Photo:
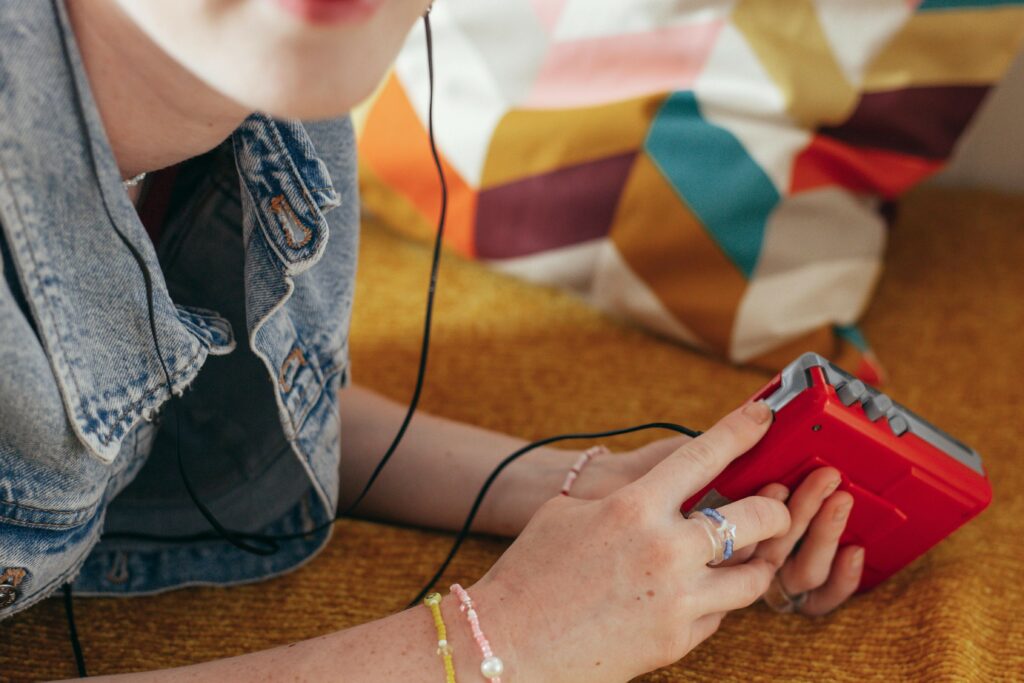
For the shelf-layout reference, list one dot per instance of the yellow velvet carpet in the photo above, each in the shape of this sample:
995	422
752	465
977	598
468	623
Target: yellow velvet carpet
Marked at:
947	322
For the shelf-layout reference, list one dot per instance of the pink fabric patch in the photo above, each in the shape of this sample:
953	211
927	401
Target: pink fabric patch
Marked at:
594	71
549	12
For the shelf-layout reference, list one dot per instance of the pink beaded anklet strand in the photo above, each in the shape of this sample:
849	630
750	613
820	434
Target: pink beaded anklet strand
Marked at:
585	457
491	667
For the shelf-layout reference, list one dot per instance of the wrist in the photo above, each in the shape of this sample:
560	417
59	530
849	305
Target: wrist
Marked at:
522	488
494	614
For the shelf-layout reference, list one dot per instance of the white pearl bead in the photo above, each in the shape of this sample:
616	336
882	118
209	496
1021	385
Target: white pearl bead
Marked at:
492	667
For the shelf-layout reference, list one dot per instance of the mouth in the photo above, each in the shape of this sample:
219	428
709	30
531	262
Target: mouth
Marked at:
331	11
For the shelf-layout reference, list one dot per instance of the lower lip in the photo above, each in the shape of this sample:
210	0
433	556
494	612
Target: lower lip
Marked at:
331	11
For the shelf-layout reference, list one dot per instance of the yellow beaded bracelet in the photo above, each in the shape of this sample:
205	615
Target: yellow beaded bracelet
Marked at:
433	603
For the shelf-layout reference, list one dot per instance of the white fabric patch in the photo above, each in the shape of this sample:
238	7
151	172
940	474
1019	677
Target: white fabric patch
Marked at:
471	102
618	290
583	19
856	31
819	263
569	267
736	93
509	39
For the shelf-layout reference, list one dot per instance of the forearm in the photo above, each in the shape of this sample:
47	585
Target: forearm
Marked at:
439	468
402	647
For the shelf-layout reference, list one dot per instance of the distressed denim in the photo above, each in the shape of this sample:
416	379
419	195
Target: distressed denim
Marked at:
252	288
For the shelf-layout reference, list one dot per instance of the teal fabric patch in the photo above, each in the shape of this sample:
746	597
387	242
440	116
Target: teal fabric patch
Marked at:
929	5
852	334
712	172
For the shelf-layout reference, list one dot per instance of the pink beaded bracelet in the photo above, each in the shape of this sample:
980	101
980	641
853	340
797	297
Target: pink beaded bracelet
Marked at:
492	667
585	457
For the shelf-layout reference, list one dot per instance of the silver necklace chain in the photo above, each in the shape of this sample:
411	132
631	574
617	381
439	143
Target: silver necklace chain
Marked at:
132	182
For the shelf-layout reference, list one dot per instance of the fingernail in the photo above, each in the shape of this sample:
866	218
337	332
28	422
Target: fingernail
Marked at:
781	494
832	487
758	411
842	512
858	558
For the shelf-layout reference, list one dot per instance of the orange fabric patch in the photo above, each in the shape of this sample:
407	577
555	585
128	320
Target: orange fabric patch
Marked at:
536	142
962	47
392	208
822	341
668	248
796	53
395	147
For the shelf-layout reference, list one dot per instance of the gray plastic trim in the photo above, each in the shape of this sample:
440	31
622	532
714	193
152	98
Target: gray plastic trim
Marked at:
795	380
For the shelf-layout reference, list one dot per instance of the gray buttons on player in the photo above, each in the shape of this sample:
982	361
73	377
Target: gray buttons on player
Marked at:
851	392
877	406
898	424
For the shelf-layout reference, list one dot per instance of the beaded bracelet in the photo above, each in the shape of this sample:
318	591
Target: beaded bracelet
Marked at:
433	603
585	457
492	667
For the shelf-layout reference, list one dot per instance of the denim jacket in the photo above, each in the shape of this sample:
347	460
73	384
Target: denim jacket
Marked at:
259	247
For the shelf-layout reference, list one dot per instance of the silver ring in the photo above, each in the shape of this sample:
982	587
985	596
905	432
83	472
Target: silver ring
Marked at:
721	533
779	599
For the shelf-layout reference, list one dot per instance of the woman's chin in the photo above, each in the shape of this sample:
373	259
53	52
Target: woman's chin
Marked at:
324	100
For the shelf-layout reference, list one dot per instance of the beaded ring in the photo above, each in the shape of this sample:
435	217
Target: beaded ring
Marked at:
720	531
491	667
724	529
433	603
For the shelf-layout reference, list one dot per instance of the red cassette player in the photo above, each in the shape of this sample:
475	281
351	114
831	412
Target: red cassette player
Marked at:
912	483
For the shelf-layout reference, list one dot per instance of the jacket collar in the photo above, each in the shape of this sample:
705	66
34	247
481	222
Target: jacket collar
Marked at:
60	190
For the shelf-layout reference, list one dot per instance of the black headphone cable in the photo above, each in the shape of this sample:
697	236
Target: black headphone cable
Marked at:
267	544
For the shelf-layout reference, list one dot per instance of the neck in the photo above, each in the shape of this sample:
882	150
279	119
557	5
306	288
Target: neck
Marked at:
156	113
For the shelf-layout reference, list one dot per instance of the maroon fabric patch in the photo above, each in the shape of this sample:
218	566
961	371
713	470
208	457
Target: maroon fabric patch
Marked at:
568	206
924	122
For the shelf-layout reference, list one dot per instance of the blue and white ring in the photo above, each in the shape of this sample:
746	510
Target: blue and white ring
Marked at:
720	531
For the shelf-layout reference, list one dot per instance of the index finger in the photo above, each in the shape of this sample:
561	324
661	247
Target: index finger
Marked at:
700	460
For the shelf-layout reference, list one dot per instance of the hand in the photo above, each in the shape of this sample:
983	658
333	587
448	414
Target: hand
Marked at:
607	589
607	474
829	575
536	477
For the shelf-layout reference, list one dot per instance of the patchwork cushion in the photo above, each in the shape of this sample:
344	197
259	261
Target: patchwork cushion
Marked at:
715	171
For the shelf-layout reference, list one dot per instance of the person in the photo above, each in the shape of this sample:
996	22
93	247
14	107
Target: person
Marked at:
247	224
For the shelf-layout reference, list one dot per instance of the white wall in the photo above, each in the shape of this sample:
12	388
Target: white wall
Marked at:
991	153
